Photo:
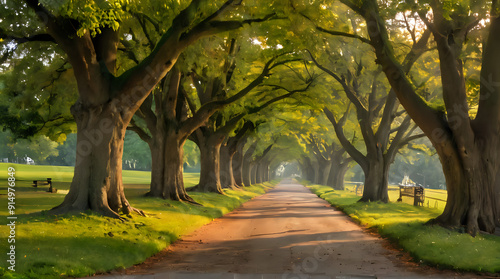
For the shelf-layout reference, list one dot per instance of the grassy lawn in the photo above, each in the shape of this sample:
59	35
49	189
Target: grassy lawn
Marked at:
81	245
404	225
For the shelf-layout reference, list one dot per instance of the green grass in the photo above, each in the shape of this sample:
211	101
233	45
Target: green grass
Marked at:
404	224
84	244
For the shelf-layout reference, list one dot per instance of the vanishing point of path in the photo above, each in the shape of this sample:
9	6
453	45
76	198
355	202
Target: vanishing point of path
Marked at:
287	233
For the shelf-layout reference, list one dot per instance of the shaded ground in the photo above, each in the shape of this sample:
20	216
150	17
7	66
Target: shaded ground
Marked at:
287	233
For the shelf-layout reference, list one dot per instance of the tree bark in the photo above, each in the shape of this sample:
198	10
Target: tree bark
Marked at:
326	172
173	178
259	173
231	160
226	168
310	174
337	174
376	180
248	164
97	182
157	148
253	173
238	168
210	166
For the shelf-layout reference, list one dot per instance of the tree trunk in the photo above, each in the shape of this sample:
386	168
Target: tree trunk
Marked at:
247	174
259	176
210	167
226	168
157	148
248	165
309	170
337	174
238	168
97	183
474	209
376	180
318	172
173	185
253	173
265	171
326	168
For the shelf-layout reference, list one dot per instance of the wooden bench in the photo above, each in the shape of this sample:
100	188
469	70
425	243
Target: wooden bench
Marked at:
49	182
417	192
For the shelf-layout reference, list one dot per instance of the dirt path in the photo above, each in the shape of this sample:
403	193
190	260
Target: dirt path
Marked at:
286	233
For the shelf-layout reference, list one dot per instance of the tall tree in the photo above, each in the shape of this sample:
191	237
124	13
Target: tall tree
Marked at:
89	34
467	145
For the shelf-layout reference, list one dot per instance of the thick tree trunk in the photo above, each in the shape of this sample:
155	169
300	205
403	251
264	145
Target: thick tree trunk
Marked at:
97	182
157	148
173	178
167	179
326	168
238	168
309	170
247	174
266	171
226	168
248	165
253	173
337	174
259	176
210	167
376	180
474	209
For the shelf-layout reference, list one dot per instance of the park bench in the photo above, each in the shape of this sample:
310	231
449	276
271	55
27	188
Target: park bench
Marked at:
49	182
417	192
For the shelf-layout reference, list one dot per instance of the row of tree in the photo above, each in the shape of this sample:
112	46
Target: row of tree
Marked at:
209	71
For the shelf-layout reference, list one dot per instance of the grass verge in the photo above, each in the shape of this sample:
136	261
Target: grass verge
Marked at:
50	246
404	225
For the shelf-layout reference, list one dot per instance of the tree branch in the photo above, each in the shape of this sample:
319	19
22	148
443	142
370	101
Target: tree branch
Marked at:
348	146
344	34
275	99
32	38
139	131
427	118
347	89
